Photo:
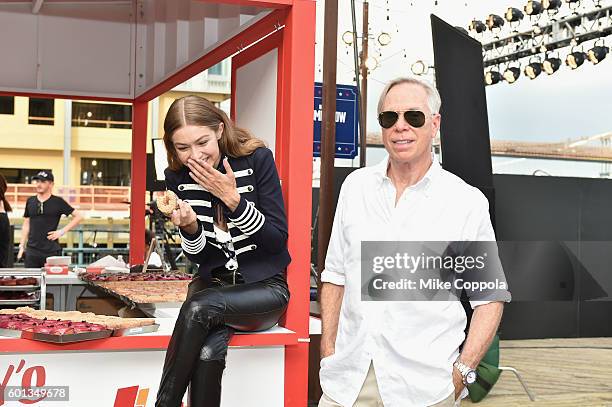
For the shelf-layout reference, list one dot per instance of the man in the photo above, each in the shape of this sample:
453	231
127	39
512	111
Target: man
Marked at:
401	353
39	235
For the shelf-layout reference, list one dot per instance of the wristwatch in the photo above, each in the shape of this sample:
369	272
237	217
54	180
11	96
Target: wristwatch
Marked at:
468	374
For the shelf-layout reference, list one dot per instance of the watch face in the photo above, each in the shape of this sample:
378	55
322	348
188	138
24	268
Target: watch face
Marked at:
470	378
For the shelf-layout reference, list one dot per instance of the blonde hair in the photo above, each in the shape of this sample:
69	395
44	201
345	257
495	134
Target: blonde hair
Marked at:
196	111
433	96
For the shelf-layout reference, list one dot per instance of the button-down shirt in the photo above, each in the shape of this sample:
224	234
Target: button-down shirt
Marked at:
412	344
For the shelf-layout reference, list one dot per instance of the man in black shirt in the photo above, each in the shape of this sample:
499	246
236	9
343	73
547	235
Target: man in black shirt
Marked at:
42	216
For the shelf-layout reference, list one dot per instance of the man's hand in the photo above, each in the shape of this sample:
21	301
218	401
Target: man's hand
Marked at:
185	217
55	234
20	253
223	186
457	382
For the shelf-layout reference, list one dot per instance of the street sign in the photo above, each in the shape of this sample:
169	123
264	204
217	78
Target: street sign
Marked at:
347	119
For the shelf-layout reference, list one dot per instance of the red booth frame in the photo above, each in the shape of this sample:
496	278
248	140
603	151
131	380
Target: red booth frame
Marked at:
290	29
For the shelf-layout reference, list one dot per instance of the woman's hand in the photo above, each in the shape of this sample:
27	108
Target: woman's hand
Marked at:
185	217
223	186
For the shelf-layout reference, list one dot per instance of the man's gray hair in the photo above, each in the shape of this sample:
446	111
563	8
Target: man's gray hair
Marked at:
433	96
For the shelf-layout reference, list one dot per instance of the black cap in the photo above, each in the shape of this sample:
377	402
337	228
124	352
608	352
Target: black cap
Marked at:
44	176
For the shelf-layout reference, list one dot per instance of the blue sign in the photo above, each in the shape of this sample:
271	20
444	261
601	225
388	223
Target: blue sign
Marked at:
347	119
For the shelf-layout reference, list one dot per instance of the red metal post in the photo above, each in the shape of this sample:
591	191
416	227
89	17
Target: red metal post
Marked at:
296	107
139	182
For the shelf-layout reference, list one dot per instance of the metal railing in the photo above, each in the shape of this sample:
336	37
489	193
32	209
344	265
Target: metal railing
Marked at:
84	197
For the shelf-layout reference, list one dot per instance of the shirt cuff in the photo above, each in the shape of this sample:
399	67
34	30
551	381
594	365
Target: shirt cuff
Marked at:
328	276
475	304
247	217
193	243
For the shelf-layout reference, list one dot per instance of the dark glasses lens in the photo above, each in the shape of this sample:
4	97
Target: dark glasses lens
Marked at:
39	208
414	118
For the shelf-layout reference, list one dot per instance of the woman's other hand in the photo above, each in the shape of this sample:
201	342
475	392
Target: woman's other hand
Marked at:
223	186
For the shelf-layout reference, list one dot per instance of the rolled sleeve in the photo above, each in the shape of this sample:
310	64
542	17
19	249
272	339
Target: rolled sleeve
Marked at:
334	277
334	271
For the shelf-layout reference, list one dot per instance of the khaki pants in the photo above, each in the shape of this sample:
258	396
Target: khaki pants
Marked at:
370	397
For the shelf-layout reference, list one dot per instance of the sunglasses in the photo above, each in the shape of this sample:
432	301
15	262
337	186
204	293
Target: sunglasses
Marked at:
415	118
39	208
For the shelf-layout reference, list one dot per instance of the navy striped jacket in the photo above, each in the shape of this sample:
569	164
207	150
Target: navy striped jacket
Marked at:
258	226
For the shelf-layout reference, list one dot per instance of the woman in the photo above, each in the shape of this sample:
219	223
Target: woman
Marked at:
5	226
232	223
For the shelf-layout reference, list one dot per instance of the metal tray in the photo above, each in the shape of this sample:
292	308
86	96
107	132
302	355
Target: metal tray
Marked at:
136	331
20	302
69	338
19	287
128	301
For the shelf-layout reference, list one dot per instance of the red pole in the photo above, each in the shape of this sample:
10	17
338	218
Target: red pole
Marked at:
296	108
139	182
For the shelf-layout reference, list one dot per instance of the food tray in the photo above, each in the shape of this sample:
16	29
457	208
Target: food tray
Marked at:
69	338
147	329
128	301
24	301
19	287
106	291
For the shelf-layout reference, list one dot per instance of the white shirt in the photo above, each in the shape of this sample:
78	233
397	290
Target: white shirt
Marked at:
412	344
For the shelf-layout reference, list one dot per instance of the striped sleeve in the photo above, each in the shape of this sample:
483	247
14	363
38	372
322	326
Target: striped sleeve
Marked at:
247	217
193	244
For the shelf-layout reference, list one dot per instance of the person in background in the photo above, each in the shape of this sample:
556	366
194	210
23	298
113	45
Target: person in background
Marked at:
39	236
5	226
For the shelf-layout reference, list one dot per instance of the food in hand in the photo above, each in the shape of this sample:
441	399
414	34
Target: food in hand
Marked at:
167	203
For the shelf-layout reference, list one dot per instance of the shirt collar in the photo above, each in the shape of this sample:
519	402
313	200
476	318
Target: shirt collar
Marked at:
380	171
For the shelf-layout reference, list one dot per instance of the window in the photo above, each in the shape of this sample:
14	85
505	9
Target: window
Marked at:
20	175
106	115
41	111
7	105
103	171
216	69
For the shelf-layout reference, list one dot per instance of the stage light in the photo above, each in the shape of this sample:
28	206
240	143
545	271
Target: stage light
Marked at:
492	77
495	21
533	8
512	74
575	59
347	37
533	70
551	65
598	53
384	39
514	15
371	63
418	68
551	5
477	26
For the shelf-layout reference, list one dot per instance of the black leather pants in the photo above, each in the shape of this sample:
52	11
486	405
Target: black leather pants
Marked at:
205	324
